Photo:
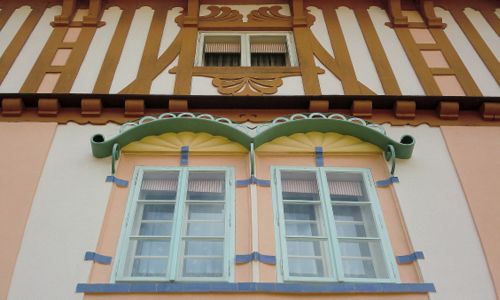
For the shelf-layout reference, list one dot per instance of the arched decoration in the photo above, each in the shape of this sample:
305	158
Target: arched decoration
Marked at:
317	128
331	142
171	142
102	148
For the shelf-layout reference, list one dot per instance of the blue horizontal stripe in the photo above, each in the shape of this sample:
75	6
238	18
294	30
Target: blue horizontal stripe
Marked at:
253	180
246	258
98	258
252	287
406	259
388	181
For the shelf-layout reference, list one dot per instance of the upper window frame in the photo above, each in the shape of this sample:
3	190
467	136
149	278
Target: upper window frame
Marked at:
327	214
245	36
173	266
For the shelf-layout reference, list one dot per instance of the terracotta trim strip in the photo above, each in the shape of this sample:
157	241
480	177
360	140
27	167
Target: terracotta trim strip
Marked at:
110	63
384	70
477	42
9	56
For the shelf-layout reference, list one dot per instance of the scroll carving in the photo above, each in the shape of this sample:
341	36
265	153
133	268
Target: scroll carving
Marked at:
268	14
247	85
222	14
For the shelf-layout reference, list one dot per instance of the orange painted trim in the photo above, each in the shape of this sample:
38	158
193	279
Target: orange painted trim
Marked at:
22	165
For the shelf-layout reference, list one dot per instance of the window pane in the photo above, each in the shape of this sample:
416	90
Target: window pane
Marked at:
159	185
354	221
268	59
345	186
156	229
299	185
363	259
203	267
152	247
301	212
302	229
204	248
158	212
205	229
205	211
306	267
149	267
306	248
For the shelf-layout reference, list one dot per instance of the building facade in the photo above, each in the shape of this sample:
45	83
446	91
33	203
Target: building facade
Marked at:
261	149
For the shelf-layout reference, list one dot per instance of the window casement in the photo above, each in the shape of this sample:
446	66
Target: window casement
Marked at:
178	226
330	227
246	49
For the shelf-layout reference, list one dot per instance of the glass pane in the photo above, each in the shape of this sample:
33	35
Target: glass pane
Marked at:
345	186
206	185
363	259
203	267
306	267
354	221
151	247
301	229
158	212
205	212
299	185
156	229
301	212
204	248
159	185
149	267
205	229
306	248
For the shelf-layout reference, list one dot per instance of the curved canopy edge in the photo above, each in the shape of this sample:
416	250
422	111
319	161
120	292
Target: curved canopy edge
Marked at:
102	148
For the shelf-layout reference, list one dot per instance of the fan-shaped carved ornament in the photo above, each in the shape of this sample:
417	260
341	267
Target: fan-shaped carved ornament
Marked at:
247	85
307	142
267	14
222	14
171	142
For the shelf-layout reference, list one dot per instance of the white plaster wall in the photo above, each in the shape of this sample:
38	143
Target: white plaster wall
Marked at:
475	65
12	26
329	83
65	218
170	30
203	86
92	63
484	29
358	51
439	220
17	74
320	30
130	60
400	64
164	83
291	86
245	9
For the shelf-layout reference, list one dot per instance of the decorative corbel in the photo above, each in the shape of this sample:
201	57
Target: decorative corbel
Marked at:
68	10
299	18
395	14
426	8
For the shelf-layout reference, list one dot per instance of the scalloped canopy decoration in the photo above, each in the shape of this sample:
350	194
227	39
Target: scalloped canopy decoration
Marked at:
172	142
306	142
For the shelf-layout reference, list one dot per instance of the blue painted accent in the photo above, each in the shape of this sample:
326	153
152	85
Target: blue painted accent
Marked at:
98	258
388	181
184	155
265	259
318	152
255	287
253	180
117	181
406	259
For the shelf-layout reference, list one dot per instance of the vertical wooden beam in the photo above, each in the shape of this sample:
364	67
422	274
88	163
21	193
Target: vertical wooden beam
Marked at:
68	10
95	10
184	75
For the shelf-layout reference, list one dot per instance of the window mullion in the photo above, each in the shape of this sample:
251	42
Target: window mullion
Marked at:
332	230
245	50
177	225
281	227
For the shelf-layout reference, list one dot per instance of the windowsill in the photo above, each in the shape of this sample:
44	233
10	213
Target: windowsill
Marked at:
305	288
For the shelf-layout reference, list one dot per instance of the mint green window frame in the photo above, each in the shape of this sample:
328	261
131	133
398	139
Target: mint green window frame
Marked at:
179	227
332	250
